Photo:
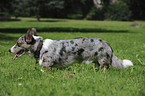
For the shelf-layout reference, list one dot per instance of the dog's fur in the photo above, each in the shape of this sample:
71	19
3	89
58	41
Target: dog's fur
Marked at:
65	52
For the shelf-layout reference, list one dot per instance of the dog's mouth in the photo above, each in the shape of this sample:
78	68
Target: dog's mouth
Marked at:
19	54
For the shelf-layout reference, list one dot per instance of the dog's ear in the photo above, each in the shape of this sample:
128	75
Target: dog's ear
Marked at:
34	31
29	36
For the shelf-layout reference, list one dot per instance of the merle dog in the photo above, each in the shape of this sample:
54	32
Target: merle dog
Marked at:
51	53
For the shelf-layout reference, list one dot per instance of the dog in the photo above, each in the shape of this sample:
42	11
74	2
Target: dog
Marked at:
61	53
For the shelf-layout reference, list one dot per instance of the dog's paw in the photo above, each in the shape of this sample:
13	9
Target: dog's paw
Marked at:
42	70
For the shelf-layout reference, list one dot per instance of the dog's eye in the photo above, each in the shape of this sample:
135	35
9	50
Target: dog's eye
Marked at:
18	44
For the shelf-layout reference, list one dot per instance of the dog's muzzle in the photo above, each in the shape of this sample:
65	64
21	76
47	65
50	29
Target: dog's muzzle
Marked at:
18	54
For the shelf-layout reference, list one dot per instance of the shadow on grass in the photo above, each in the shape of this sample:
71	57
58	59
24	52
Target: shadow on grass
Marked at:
5	36
47	21
10	20
60	29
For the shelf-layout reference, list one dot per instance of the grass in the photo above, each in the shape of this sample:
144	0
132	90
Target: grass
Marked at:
20	78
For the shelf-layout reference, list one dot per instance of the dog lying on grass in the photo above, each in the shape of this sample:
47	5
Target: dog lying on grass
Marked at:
59	53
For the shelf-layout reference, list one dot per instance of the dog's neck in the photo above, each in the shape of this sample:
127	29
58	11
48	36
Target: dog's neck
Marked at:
39	47
36	47
46	45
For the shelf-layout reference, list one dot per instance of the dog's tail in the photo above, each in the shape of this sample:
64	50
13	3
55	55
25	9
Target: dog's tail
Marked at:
117	63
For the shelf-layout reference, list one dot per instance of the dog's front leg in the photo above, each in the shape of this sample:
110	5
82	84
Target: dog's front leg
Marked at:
106	67
47	67
42	69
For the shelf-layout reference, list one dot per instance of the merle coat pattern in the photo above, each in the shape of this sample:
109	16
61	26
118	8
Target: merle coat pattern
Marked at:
64	52
60	53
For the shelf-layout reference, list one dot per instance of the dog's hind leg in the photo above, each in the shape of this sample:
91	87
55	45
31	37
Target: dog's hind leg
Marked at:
106	67
104	62
96	64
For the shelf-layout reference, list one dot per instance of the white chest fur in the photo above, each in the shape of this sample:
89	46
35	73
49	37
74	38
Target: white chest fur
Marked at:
46	44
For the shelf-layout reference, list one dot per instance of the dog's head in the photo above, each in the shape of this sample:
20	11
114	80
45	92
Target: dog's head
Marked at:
24	43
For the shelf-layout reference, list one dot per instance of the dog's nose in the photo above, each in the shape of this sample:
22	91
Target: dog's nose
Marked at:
9	50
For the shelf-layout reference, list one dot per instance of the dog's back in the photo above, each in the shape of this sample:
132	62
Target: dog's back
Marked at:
64	52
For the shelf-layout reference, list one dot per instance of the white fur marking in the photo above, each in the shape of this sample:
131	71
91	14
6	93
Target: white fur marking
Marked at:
42	70
37	37
47	43
45	46
88	62
127	63
40	62
12	49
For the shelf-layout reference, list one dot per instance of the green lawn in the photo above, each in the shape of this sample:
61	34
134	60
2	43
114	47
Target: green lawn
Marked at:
20	78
